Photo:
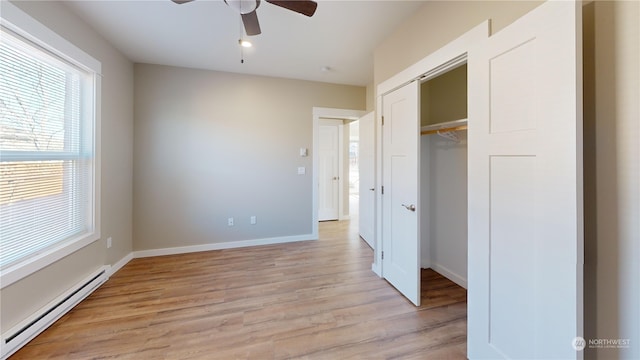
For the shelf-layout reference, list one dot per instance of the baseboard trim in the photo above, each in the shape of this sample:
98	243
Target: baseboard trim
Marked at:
460	280
120	264
223	245
376	269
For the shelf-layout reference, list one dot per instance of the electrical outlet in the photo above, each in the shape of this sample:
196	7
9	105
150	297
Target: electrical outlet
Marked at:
109	242
230	221
253	220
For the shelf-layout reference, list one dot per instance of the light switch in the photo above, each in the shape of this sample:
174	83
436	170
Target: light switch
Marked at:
303	152
302	170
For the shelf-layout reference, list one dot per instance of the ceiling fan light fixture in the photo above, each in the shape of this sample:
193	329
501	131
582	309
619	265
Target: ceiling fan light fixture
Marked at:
243	6
245	43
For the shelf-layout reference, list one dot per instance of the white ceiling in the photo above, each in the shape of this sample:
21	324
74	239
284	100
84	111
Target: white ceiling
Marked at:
203	34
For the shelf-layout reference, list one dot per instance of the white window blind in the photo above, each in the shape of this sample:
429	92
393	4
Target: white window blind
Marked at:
47	155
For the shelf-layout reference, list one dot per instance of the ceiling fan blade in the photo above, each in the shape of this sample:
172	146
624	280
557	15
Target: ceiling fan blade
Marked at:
251	24
304	7
181	1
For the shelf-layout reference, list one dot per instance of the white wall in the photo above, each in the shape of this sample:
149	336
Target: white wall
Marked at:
444	196
20	299
212	145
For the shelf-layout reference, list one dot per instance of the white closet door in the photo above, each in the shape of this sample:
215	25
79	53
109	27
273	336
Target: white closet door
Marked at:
525	188
329	170
366	170
400	170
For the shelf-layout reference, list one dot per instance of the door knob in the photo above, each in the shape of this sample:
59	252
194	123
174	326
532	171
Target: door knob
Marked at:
410	207
372	189
335	178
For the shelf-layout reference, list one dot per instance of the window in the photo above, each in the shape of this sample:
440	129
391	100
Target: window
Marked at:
48	192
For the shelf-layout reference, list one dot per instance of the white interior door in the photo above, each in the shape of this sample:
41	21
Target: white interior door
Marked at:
525	188
366	163
400	170
329	170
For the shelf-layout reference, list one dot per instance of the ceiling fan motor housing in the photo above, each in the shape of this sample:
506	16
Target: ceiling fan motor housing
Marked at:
243	6
247	10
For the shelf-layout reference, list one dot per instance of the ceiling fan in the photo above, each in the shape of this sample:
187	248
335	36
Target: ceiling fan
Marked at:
247	9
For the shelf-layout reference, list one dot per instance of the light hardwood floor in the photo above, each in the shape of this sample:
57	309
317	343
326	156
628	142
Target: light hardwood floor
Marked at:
306	300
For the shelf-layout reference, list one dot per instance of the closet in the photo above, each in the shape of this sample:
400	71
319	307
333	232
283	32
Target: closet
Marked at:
443	174
521	184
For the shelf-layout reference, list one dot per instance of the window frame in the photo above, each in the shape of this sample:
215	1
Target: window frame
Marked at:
32	31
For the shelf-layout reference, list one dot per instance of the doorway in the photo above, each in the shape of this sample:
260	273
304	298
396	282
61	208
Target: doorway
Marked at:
319	116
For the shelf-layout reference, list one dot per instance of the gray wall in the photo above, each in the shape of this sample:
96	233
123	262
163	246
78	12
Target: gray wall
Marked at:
211	145
612	157
22	298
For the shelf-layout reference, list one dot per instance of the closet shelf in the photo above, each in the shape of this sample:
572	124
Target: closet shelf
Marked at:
444	127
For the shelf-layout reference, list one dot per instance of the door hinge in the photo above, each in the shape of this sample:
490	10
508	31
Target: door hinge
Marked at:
382	255
382	120
382	190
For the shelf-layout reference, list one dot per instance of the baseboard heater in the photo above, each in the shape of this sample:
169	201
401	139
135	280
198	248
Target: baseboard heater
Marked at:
28	329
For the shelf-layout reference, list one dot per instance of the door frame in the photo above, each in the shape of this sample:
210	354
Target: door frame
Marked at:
319	113
444	59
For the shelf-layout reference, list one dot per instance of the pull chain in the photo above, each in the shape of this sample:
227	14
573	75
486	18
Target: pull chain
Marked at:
240	41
